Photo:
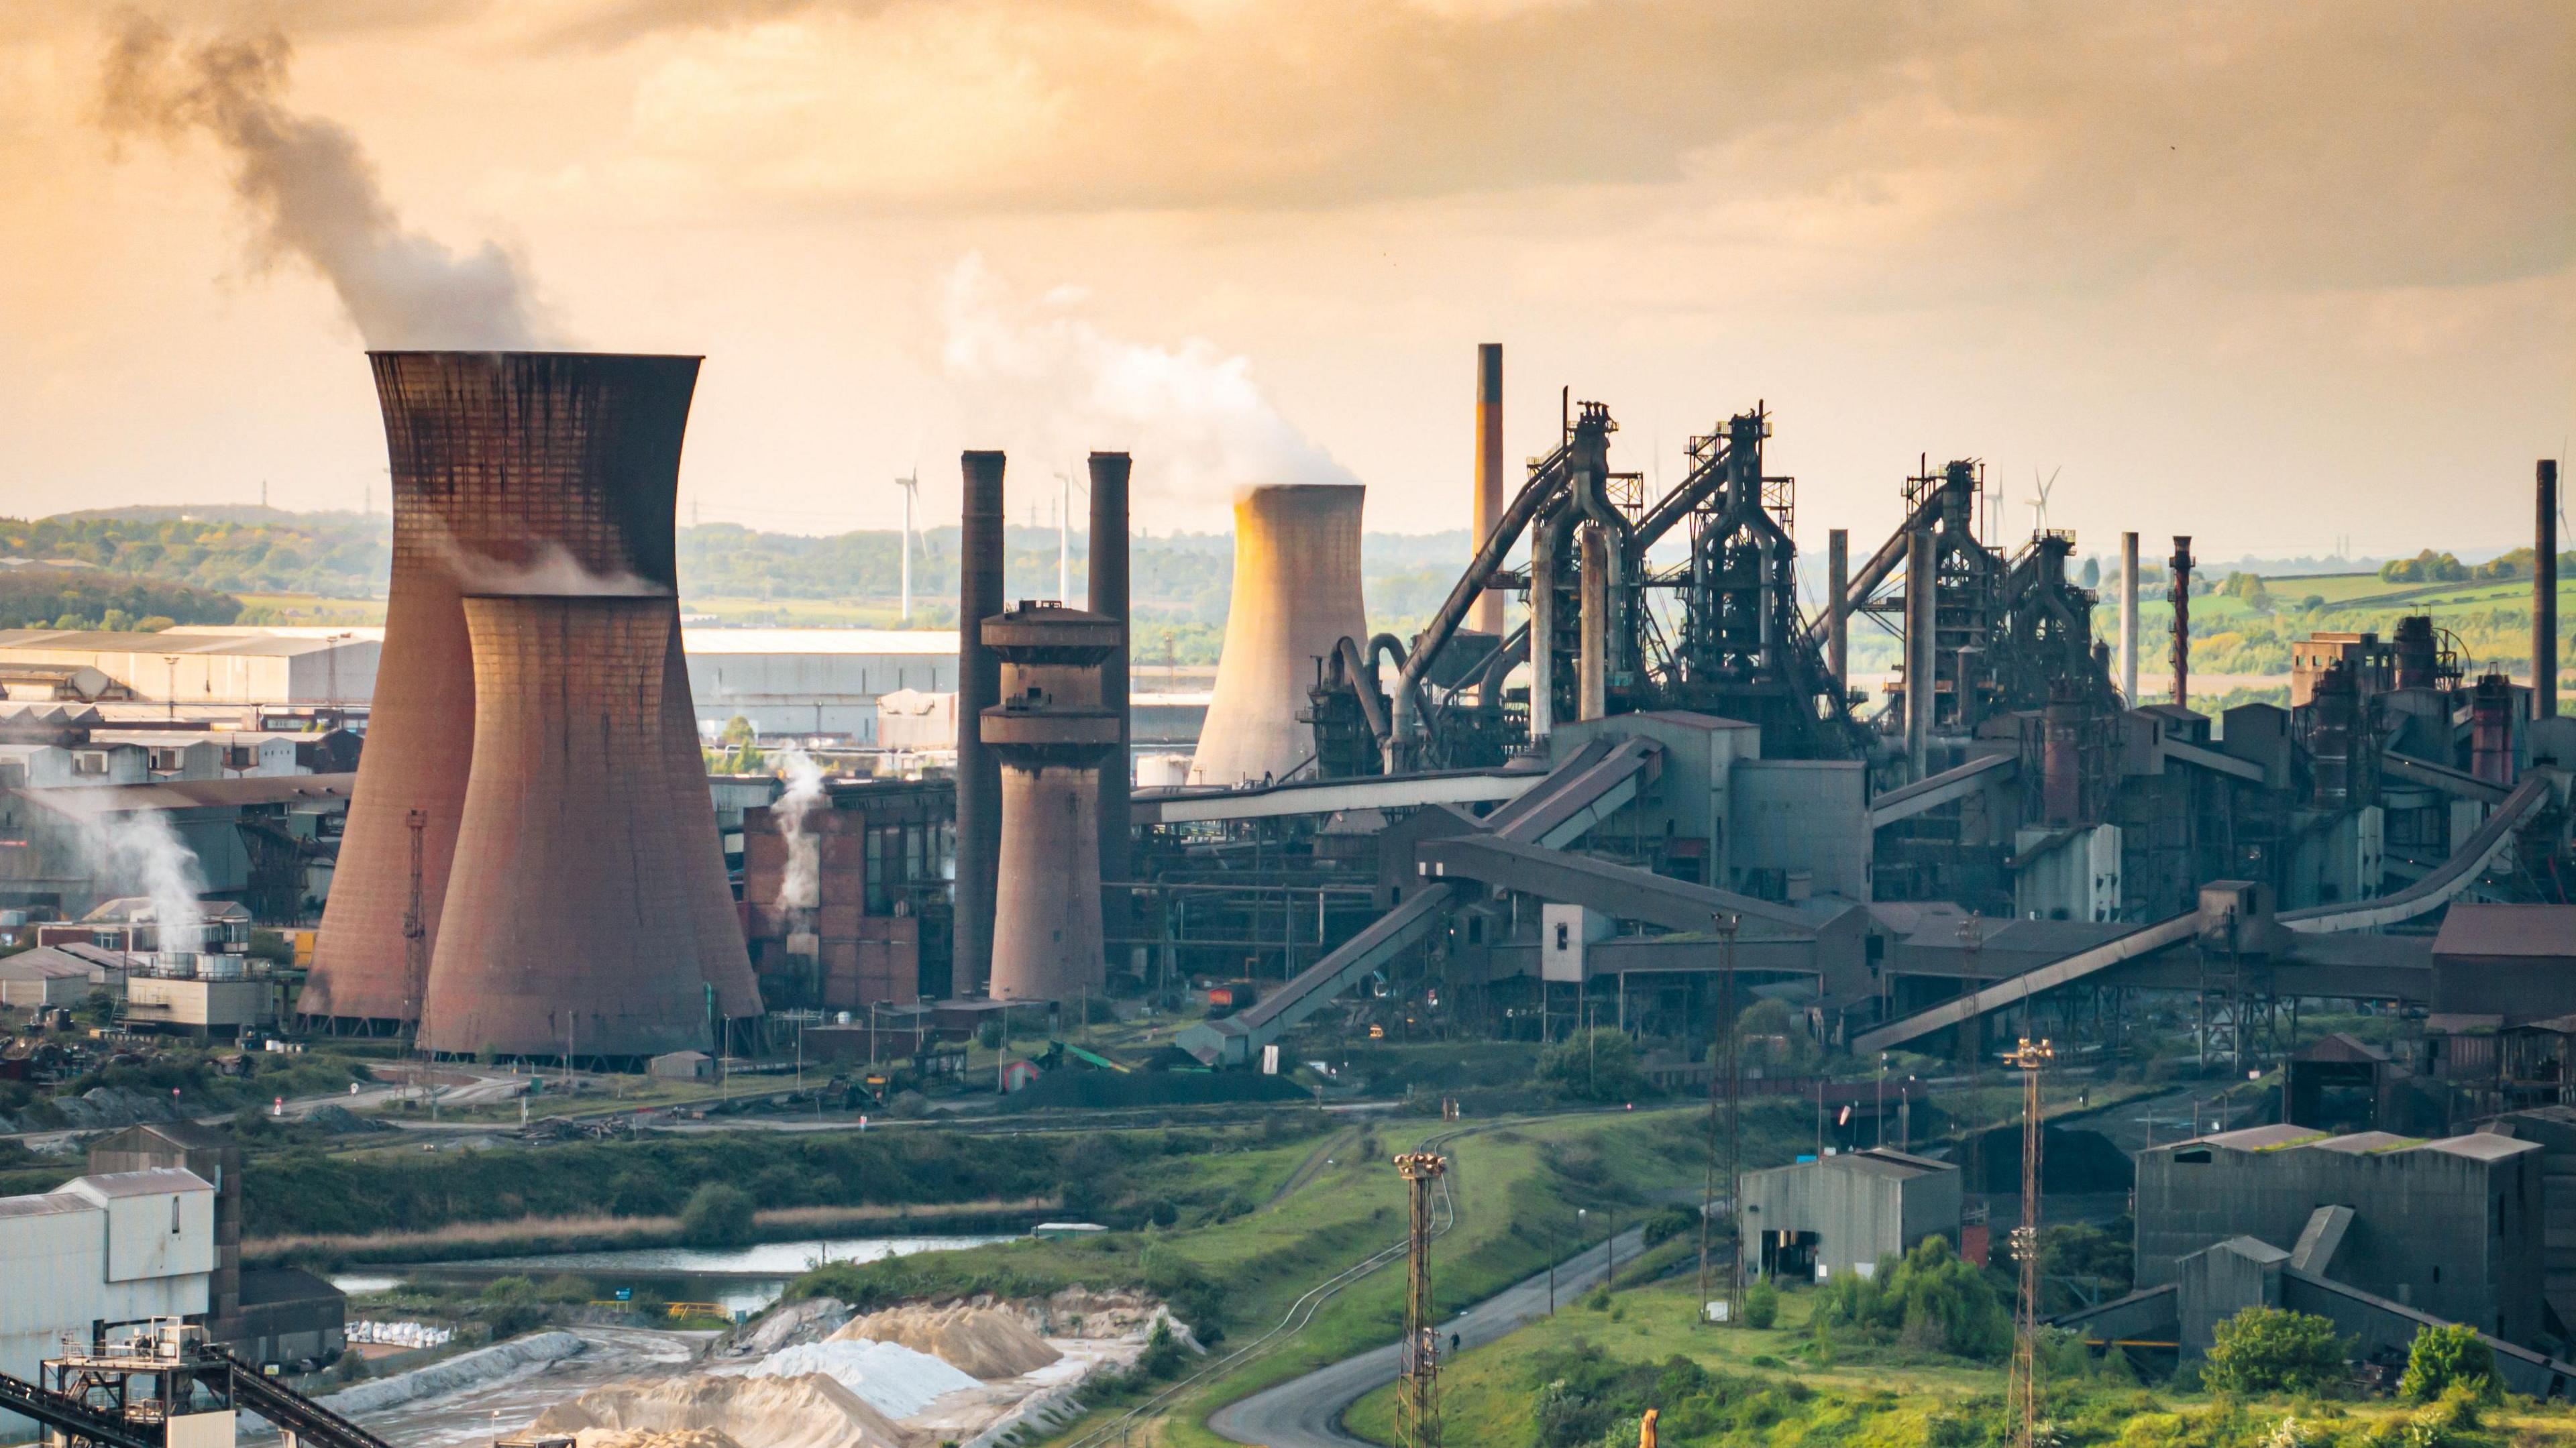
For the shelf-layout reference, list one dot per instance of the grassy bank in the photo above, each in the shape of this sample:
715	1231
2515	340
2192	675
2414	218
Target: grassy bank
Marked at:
536	1236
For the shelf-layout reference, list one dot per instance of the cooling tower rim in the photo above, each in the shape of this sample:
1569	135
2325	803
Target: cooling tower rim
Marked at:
646	595
504	354
1305	488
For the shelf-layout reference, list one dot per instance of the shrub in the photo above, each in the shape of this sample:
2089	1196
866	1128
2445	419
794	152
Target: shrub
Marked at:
2444	1356
1761	1305
2270	1350
1594	1065
511	1307
717	1216
1669	1223
1928	1299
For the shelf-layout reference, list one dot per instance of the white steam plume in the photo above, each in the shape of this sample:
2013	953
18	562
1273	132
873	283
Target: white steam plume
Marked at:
801	886
312	193
139	854
1200	427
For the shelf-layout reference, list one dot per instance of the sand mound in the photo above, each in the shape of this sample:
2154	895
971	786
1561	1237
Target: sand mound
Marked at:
989	1342
683	1438
806	1412
895	1380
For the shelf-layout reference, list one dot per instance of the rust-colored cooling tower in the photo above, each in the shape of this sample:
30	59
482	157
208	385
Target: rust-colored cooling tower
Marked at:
569	931
1296	594
508	468
1051	734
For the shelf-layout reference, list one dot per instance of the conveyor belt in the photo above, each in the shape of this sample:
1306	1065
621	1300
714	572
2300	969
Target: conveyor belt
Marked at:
2456	874
74	1420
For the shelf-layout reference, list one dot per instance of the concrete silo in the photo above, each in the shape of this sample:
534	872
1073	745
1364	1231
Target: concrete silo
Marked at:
568	930
1052	735
510	471
1296	594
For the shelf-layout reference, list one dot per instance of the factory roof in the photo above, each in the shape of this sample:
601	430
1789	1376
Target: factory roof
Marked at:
2525	932
47	962
171	641
44	1204
818	641
2476	1145
266	1286
139	909
2339	1047
151	1182
86	800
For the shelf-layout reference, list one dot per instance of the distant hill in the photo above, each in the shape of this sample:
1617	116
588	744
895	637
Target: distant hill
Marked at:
220	549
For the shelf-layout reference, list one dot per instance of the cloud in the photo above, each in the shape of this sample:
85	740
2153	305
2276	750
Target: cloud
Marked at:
311	192
1047	379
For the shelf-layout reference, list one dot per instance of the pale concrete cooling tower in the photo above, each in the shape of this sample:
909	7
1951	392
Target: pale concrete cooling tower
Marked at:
568	930
508	468
1296	594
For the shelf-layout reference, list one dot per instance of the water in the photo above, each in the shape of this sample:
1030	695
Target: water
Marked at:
738	1279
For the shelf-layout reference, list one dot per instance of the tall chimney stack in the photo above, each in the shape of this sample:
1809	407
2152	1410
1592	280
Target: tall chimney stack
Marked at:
979	687
1109	471
2181	596
2129	619
2544	595
1838	612
1488	614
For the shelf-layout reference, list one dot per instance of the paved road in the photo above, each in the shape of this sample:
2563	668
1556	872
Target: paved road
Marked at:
1306	1412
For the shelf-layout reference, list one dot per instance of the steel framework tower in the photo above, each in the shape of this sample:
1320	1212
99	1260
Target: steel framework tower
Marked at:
2021	1395
1417	1404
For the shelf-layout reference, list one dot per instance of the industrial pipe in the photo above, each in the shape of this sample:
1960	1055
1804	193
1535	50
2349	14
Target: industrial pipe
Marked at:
2129	619
2544	594
2180	593
1489	470
1838	613
1109	598
979	687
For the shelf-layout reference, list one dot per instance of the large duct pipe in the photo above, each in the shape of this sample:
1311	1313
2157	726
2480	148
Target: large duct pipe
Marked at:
2129	619
2180	595
1488	616
1296	595
1838	613
1108	568
506	467
1547	555
1592	660
2544	594
1050	735
1921	613
979	687
571	933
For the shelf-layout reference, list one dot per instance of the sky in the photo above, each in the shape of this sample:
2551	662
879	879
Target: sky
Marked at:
2274	275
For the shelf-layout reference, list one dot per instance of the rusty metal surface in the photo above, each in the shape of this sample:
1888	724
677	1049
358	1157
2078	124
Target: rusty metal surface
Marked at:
570	931
1109	599
509	470
1051	733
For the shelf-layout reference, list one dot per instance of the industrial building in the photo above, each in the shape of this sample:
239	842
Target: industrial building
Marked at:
108	1247
197	667
1846	1212
797	683
867	921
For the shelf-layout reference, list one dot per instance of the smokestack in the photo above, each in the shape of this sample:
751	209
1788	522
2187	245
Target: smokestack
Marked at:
1920	663
2491	729
979	687
1050	736
1296	595
2544	595
572	932
2181	597
1488	614
2129	619
505	466
1109	600
1838	612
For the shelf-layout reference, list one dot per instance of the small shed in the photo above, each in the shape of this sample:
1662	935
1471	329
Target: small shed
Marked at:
683	1066
45	976
1848	1212
2335	1083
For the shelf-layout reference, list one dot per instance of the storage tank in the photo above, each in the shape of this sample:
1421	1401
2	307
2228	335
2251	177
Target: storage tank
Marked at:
569	930
1296	594
507	468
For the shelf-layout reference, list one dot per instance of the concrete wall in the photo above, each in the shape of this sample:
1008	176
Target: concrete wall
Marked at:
792	693
2455	1235
2077	879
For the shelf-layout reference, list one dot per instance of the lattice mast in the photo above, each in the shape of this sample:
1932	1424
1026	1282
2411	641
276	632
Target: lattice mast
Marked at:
1417	1403
1725	1086
2021	1399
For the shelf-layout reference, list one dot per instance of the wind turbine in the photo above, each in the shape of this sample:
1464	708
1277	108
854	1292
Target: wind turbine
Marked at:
911	485
2039	504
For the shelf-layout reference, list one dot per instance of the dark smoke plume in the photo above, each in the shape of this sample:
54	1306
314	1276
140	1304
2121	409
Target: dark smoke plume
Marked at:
312	193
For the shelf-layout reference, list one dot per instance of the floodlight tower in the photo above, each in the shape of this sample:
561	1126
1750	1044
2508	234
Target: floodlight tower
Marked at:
2021	1394
1417	1404
911	485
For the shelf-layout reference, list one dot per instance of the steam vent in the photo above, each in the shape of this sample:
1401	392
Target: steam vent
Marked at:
570	931
1052	735
512	472
1296	595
